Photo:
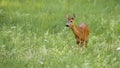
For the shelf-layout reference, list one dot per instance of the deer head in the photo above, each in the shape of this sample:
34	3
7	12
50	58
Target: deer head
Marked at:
70	20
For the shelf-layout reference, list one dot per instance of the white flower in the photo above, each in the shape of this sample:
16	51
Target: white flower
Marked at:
118	48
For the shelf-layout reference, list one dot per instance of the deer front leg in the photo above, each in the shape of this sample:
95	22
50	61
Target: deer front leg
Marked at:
82	43
77	42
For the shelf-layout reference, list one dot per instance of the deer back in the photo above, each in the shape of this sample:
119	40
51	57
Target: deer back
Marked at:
83	28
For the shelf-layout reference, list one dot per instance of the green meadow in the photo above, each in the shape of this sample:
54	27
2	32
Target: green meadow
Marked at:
33	34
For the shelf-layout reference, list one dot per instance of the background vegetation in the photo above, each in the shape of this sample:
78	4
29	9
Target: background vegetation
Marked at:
33	34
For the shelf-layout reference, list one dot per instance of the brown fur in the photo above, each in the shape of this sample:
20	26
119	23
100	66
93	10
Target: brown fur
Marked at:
81	32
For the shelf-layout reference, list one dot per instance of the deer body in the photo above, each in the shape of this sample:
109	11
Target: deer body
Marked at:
81	32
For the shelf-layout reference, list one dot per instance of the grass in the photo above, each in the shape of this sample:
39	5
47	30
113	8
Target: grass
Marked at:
33	34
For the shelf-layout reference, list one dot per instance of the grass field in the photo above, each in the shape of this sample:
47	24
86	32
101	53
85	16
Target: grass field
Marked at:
33	34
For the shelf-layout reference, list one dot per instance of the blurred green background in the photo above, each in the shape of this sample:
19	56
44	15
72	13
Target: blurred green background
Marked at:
33	34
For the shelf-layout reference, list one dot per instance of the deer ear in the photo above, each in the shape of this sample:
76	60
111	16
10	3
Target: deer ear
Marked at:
66	16
72	18
73	15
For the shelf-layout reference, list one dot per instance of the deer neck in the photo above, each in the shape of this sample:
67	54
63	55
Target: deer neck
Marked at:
75	30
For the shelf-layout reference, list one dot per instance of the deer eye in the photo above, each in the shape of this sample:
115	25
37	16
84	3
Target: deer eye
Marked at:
70	21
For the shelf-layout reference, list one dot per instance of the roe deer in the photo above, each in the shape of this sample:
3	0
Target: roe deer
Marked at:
81	32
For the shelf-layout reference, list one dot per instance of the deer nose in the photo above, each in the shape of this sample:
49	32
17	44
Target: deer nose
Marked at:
67	25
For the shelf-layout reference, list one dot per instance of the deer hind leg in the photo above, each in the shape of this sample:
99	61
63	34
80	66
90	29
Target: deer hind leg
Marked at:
86	42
